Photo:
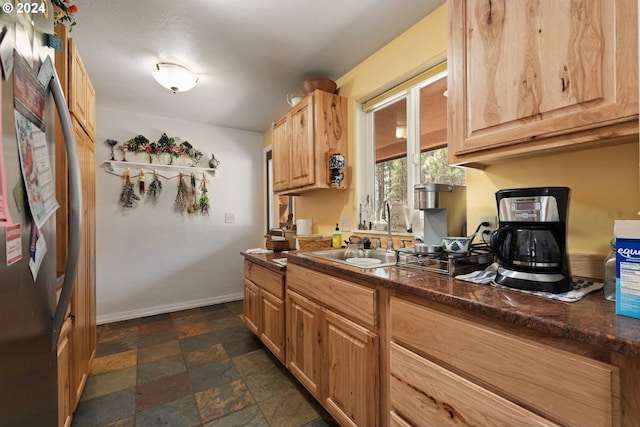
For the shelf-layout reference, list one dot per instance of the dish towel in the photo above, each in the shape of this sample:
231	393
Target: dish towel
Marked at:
258	251
581	287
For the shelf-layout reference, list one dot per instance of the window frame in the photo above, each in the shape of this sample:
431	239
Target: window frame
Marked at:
270	196
365	146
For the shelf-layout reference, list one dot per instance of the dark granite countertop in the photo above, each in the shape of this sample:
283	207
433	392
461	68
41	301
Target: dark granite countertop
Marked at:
266	260
591	320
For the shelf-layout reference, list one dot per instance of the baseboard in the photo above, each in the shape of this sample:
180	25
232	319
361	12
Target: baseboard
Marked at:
169	308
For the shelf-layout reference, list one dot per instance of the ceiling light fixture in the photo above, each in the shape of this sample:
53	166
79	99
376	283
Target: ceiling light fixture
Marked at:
174	77
401	132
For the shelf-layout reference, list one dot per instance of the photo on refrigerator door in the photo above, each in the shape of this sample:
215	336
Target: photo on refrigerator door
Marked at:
36	169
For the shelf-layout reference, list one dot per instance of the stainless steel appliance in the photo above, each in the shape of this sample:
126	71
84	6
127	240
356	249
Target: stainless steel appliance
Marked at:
444	209
30	313
530	243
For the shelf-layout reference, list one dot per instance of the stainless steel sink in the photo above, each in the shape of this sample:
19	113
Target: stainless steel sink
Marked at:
340	255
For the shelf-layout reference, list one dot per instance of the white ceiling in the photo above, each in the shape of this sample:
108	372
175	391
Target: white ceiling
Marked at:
248	54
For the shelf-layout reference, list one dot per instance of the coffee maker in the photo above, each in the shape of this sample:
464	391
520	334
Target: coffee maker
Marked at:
530	243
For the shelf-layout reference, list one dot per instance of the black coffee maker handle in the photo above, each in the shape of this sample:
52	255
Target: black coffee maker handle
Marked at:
496	241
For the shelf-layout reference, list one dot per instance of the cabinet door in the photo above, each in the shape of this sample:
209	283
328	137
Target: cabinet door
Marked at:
77	85
64	391
272	323
251	306
426	395
303	158
281	154
83	299
80	309
351	369
91	110
304	341
525	76
89	201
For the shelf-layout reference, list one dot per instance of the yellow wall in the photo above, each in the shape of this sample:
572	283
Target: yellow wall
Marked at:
604	181
421	47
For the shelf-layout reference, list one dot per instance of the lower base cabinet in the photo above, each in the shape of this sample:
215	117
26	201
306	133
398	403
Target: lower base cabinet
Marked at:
379	357
351	367
272	319
450	369
264	306
334	356
64	375
425	394
304	341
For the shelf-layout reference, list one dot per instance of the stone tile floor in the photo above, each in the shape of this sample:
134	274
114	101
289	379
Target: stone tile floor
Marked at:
198	367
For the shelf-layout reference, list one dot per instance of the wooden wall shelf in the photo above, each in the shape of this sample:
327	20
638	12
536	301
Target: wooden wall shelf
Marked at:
118	167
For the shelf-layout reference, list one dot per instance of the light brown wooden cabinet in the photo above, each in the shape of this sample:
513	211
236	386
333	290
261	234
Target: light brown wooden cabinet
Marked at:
302	140
526	77
447	368
333	343
351	363
83	300
78	350
251	304
264	306
304	341
82	96
64	376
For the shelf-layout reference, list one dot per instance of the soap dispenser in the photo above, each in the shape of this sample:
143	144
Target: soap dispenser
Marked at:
337	238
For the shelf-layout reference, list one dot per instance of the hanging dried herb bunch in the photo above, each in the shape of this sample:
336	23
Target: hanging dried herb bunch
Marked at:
128	195
193	207
203	203
182	195
155	187
141	188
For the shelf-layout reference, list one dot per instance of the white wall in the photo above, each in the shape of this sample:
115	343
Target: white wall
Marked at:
151	259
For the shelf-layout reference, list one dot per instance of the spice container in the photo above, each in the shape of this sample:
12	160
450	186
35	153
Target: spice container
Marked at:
610	272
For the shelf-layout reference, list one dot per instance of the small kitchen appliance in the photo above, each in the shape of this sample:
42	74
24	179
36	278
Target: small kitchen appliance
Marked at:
530	243
443	208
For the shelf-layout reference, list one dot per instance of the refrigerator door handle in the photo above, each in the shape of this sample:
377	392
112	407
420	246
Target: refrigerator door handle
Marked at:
75	207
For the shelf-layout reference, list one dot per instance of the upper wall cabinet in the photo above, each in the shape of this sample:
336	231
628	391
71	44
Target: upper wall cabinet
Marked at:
530	76
82	97
304	138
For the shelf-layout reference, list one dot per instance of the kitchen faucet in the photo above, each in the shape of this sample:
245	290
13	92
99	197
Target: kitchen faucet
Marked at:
389	239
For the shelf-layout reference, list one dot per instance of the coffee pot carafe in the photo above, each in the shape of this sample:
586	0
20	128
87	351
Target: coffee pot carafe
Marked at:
530	243
533	247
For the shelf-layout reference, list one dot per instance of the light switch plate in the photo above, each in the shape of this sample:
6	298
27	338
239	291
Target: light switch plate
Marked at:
229	218
345	224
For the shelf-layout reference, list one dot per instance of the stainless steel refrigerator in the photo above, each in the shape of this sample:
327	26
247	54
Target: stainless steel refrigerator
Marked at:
30	312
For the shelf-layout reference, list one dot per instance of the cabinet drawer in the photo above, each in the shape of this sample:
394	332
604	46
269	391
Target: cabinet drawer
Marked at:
354	301
426	394
570	388
265	278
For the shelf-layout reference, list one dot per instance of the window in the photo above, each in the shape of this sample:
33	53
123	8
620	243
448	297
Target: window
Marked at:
405	145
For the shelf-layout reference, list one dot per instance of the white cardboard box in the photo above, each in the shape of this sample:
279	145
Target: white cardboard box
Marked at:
627	234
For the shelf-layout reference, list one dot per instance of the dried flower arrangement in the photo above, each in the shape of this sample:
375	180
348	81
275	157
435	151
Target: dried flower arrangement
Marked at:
63	13
165	144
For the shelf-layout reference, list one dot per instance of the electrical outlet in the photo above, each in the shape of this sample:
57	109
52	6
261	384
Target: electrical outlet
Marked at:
345	224
229	218
482	235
